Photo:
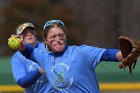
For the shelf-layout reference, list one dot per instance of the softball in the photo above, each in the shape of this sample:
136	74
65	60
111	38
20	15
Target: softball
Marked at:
14	43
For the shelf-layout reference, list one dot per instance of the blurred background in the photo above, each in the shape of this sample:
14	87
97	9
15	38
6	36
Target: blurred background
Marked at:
91	22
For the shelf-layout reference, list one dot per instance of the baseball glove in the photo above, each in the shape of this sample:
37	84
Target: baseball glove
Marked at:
130	49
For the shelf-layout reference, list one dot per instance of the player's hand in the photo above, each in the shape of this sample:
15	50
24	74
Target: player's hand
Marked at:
41	71
15	42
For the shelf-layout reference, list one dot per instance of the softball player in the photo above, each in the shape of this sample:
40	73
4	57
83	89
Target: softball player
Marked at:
27	73
70	69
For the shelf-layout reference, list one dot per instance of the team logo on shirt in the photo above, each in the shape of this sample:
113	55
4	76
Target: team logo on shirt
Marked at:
60	81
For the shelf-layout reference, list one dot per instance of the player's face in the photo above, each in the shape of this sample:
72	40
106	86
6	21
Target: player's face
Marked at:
29	36
56	39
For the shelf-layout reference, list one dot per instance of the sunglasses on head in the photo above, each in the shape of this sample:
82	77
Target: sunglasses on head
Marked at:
49	23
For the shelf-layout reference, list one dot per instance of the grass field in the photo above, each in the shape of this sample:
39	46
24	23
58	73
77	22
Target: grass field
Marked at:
107	72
